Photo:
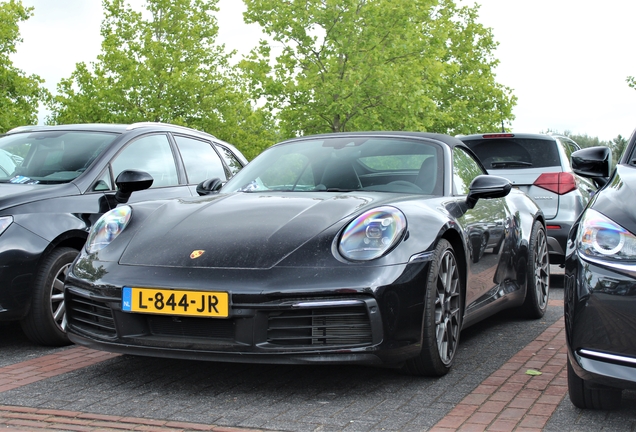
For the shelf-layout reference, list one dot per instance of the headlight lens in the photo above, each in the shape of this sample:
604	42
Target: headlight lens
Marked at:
372	234
601	237
5	221
107	228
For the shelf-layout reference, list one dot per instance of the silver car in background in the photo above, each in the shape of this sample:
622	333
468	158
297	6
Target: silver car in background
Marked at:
539	165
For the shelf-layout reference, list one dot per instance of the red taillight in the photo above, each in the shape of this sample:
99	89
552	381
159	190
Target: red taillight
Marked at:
498	135
559	183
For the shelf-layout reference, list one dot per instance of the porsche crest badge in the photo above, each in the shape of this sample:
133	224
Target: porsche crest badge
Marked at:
196	254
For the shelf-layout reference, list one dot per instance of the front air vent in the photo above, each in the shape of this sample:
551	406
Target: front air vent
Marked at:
320	327
89	315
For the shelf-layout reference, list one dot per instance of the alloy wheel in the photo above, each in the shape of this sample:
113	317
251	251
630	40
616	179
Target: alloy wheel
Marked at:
447	307
542	270
58	308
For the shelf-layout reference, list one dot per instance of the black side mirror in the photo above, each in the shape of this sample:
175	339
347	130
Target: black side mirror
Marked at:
487	186
209	186
593	162
129	181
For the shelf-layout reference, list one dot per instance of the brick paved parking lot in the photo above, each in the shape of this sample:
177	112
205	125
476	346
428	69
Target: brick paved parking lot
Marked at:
78	389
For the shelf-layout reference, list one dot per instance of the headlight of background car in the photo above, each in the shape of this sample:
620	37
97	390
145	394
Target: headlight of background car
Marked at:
5	221
107	228
600	237
372	234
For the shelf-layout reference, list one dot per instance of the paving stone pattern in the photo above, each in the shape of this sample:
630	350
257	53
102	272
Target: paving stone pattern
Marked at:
488	389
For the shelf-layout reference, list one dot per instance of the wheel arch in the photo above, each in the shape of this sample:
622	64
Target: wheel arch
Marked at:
455	239
74	239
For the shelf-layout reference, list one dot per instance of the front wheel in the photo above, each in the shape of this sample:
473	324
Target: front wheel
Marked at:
584	397
538	274
442	315
46	321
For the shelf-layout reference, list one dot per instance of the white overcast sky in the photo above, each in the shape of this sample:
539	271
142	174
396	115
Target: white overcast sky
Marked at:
566	60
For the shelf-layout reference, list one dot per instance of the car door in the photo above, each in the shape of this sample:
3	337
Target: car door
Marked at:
201	161
152	153
480	223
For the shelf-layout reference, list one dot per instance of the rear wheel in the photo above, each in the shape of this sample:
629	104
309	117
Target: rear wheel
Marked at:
582	396
442	315
46	321
538	274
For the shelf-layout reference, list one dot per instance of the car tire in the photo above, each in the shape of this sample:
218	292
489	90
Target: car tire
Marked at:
45	322
584	397
538	274
443	311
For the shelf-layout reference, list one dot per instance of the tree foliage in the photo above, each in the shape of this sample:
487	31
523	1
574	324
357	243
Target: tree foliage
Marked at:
20	94
423	65
163	65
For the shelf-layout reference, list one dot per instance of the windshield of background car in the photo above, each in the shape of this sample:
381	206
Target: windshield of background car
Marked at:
49	157
343	164
515	153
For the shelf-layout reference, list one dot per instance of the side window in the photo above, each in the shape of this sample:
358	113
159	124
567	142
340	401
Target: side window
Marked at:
151	154
103	183
200	159
231	160
465	169
570	147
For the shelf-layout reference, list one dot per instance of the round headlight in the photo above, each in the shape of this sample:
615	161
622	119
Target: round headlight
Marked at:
601	237
372	234
107	228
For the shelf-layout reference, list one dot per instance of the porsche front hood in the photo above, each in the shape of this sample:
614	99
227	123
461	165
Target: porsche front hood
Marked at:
242	230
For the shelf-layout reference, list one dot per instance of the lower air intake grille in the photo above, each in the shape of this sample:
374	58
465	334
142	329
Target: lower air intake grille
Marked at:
191	327
90	316
348	326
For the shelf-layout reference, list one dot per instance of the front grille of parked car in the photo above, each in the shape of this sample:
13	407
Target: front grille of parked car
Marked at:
320	327
90	315
191	327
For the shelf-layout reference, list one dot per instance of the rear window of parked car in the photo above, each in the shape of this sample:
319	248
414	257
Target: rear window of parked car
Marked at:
515	153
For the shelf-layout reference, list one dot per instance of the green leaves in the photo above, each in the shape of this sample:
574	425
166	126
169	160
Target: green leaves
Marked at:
20	94
163	65
376	64
327	66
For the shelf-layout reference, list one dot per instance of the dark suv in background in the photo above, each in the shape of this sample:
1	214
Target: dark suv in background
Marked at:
539	165
56	181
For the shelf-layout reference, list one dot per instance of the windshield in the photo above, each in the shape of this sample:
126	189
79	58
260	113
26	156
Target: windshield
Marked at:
342	164
49	157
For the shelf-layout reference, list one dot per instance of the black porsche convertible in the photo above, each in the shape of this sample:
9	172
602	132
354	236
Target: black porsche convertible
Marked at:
337	248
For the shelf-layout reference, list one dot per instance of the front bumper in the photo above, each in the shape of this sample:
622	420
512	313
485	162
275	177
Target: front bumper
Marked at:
365	315
600	322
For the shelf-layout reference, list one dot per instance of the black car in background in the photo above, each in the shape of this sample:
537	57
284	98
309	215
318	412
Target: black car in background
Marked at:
56	181
539	165
600	283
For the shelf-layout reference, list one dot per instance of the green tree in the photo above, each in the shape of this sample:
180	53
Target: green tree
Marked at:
423	65
163	66
618	146
20	94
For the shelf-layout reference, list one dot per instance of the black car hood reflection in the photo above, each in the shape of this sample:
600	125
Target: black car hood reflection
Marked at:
616	201
12	195
241	230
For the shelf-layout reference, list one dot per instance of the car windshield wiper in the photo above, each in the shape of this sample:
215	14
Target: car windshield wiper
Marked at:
504	164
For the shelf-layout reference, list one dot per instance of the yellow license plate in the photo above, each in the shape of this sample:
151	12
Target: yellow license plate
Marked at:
175	302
